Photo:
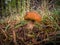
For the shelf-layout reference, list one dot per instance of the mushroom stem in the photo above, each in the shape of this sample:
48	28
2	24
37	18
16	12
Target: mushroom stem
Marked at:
30	25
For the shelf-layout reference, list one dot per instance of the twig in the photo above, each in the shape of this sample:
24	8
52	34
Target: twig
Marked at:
14	37
4	32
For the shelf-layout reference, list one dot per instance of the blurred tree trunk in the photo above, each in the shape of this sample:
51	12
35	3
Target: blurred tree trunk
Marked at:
0	8
16	5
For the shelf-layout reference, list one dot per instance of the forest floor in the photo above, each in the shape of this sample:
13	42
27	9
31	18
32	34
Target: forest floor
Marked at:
22	36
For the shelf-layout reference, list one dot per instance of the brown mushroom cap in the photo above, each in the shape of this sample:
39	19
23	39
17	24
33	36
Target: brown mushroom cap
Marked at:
33	16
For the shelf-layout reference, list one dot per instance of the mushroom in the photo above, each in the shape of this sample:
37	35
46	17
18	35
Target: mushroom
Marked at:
32	17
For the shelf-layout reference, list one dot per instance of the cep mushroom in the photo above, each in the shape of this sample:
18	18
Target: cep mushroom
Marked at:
32	17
